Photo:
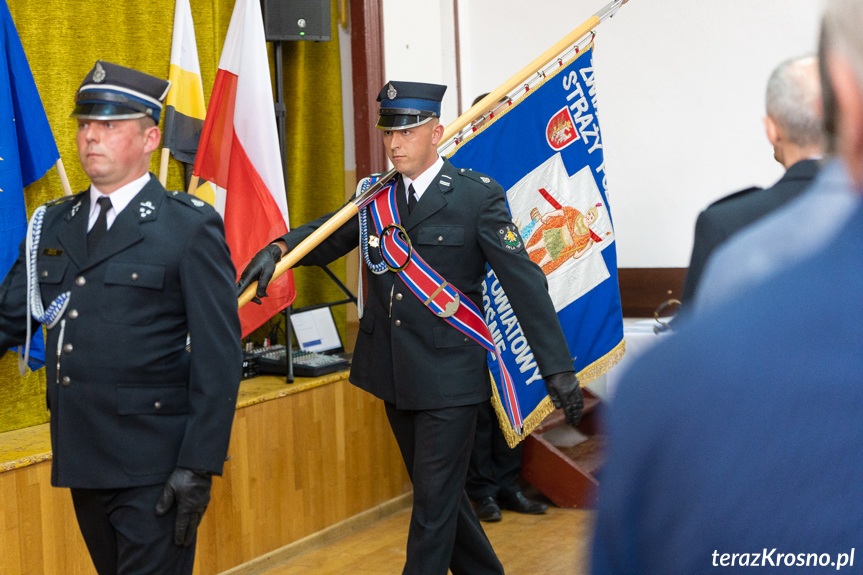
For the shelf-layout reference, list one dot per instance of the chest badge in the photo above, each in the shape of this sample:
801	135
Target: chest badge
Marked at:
146	208
374	241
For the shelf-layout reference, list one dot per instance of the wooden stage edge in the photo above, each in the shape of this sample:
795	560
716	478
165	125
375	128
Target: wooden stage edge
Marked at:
30	445
309	462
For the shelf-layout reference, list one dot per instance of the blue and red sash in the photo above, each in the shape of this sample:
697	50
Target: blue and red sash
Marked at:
442	298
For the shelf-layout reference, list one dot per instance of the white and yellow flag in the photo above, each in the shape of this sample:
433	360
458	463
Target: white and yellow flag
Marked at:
184	107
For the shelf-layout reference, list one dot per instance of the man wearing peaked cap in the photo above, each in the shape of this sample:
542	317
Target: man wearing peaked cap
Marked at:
408	104
430	375
126	271
119	93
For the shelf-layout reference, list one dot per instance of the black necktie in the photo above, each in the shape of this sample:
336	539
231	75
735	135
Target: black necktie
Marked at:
412	199
97	232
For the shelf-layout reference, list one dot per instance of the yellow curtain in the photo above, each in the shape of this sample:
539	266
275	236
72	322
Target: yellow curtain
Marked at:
63	39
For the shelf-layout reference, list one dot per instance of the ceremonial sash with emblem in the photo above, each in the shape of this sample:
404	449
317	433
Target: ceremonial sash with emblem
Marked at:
440	297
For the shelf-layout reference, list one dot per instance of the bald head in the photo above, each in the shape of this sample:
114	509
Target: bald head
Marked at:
794	101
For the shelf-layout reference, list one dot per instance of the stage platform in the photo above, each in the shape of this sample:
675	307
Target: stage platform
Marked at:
303	457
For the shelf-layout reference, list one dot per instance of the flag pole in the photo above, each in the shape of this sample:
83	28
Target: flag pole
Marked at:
64	179
193	185
163	166
351	209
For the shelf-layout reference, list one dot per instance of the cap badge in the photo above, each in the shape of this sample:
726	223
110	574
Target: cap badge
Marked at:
391	92
146	208
98	73
197	203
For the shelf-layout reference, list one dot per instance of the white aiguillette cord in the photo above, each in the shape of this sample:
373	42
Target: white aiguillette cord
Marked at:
55	311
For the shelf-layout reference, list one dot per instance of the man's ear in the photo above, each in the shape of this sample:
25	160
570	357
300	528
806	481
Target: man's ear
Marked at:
152	139
437	133
771	128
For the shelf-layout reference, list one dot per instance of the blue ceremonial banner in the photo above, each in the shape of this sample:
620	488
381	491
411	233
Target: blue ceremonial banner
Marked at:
27	151
545	149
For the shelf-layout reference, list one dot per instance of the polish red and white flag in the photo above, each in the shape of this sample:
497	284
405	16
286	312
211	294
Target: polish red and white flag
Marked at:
239	153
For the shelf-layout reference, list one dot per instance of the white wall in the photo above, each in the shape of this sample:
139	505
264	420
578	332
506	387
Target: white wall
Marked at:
419	46
681	92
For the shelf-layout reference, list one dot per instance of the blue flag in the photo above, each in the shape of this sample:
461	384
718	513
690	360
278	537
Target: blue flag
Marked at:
27	151
545	149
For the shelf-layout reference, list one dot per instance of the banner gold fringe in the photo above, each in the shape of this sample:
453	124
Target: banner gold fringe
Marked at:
545	407
602	365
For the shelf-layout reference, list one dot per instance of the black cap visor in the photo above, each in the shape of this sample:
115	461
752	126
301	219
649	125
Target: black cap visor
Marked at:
105	111
402	119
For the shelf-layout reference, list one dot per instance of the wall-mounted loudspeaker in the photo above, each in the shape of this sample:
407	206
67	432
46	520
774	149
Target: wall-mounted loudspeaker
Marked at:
297	20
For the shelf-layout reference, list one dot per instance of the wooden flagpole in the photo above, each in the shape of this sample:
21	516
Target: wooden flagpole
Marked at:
64	179
163	166
349	211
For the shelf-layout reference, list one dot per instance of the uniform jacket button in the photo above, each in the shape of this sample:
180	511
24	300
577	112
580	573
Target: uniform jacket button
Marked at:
66	381
44	273
68	348
73	314
467	339
158	405
134	276
399	296
79	281
440	238
398	322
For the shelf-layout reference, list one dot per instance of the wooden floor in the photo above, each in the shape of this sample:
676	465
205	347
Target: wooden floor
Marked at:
557	542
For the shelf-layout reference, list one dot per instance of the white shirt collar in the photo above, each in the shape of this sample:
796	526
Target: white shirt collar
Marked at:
424	180
120	198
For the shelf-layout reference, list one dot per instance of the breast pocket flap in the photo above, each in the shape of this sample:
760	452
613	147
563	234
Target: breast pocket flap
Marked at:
51	271
150	276
441	236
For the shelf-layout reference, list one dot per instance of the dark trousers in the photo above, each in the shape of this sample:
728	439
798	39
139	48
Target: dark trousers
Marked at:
444	531
494	465
124	535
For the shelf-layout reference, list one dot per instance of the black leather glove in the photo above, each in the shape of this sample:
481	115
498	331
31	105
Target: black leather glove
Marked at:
564	391
190	490
260	269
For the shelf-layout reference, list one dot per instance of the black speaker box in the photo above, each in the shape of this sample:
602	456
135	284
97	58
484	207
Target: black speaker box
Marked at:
297	20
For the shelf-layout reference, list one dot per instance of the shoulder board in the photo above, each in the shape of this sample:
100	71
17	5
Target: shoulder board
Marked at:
736	195
188	200
59	201
476	176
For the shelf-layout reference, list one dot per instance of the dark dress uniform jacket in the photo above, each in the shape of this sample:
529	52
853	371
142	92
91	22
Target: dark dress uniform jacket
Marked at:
405	354
725	217
129	402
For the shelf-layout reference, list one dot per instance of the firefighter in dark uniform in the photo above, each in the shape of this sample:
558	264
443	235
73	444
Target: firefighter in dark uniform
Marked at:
432	377
139	423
